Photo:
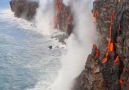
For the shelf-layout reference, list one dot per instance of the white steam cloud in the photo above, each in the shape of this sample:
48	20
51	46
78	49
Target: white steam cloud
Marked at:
79	44
44	17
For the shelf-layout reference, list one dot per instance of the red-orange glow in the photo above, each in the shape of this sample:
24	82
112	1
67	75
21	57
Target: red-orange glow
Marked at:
97	50
95	14
104	60
116	60
110	46
58	5
121	82
112	19
118	1
97	53
69	18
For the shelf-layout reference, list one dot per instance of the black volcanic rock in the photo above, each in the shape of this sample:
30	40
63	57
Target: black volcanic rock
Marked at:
111	68
24	8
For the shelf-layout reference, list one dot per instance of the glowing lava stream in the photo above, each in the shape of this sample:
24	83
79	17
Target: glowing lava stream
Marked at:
110	47
118	1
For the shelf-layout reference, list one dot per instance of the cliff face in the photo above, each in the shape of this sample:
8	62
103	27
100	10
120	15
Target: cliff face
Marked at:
24	8
107	67
63	17
27	10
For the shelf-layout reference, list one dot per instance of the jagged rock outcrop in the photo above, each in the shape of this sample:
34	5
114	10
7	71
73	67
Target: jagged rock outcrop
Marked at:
110	71
24	8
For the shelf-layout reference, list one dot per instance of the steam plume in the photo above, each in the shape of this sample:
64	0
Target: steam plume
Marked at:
79	44
44	17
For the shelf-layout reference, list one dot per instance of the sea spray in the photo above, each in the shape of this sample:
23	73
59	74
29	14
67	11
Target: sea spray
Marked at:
79	44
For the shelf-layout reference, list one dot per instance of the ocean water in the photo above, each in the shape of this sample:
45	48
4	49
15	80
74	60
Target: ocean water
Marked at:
25	59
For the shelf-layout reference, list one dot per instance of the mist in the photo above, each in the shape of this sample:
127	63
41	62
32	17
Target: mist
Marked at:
79	44
44	17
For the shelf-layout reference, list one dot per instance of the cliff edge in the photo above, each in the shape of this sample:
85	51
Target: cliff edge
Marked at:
107	67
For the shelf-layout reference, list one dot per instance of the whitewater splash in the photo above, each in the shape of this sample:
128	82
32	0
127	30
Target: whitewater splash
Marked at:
24	54
8	15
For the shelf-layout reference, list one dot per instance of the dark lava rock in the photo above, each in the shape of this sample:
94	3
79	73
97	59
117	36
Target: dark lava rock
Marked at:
111	68
50	47
24	8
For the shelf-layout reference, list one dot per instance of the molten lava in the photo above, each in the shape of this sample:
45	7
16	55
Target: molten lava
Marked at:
121	82
96	51
118	1
58	5
95	14
116	60
110	47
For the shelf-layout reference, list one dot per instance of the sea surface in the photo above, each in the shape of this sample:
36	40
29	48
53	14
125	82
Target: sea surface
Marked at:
25	58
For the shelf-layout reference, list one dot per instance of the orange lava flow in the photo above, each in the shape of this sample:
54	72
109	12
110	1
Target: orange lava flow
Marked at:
95	78
95	69
110	46
69	18
96	51
116	60
58	5
121	82
104	60
118	1
95	14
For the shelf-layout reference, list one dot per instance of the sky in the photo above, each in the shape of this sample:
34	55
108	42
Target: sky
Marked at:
4	3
